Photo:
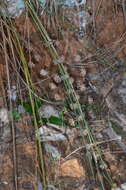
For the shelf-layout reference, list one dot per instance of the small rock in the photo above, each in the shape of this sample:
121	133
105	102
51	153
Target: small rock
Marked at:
72	80
90	100
4	182
44	72
82	87
57	43
47	111
71	122
52	86
37	57
21	109
46	134
72	168
57	97
74	106
31	64
57	78
4	115
99	135
85	132
53	151
77	58
83	72
12	93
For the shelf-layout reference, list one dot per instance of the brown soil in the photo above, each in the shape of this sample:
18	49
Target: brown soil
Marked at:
104	44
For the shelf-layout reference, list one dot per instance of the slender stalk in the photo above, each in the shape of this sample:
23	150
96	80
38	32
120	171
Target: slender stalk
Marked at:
72	96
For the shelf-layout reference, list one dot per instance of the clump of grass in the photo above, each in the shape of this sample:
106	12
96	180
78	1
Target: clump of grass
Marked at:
15	47
71	94
72	97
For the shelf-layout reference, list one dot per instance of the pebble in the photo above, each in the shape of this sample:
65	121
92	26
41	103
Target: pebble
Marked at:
52	86
57	78
47	111
72	80
71	122
57	97
99	135
77	58
37	57
83	72
4	115
53	151
44	72
90	100
21	109
12	93
79	82
82	87
4	182
31	64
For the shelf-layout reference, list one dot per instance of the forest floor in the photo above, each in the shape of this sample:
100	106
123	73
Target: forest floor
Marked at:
91	43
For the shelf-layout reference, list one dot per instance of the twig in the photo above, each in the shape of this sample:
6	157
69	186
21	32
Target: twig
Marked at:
88	146
12	123
124	11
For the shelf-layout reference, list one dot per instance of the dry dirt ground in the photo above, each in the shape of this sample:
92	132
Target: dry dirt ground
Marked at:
96	63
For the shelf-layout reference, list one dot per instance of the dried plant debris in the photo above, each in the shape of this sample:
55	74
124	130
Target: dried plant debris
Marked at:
91	47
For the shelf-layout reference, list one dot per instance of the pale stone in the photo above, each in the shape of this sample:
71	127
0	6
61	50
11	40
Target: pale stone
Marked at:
4	115
57	78
90	100
57	97
47	111
43	72
52	86
83	72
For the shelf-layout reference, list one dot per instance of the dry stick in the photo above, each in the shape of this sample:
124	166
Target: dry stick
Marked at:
67	83
12	123
124	11
28	35
34	94
98	8
89	146
94	20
